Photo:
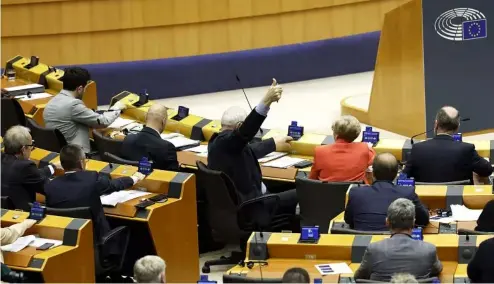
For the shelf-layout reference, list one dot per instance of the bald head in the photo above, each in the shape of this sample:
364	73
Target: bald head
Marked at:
156	117
385	167
447	120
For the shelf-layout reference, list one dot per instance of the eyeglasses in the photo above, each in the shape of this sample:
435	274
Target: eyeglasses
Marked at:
32	145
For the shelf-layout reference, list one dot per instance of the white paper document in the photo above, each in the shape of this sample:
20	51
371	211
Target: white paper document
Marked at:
134	127
181	141
462	213
38	242
120	122
271	156
201	149
19	244
24	87
34	96
166	136
334	268
283	162
121	196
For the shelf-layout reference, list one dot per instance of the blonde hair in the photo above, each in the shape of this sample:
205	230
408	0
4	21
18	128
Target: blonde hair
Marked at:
150	269
347	128
15	138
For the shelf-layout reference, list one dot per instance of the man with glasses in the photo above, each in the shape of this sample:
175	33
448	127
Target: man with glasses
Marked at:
21	179
67	112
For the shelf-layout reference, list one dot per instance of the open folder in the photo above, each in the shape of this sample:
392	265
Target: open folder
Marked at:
121	196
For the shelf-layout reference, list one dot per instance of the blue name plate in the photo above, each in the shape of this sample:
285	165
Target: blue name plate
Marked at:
183	112
309	233
458	137
405	182
417	234
369	136
295	131
145	167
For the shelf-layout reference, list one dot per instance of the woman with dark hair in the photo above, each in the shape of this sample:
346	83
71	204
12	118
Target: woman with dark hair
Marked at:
485	223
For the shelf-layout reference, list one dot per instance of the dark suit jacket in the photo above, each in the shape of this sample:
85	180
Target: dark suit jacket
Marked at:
481	267
485	223
83	189
368	205
21	180
148	143
230	152
442	159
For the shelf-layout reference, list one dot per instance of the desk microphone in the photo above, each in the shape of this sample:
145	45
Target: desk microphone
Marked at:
246	98
430	130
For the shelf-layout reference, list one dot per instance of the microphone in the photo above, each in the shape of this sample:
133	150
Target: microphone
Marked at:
246	98
430	130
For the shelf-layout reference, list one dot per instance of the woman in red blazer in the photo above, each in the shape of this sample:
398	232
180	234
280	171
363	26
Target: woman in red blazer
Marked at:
344	160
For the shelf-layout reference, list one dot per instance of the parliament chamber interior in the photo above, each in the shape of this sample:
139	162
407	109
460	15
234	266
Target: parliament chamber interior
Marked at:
247	141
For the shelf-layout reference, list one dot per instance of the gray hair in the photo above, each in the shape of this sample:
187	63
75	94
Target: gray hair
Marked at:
15	138
347	128
232	116
403	278
401	214
149	269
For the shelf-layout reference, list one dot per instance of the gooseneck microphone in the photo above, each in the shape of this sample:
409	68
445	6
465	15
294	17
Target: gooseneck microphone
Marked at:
246	98
430	130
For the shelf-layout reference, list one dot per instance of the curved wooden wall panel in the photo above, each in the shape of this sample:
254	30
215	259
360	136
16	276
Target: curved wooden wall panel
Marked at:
96	31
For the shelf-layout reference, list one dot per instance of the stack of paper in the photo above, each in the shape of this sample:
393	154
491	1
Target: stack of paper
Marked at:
21	90
166	136
121	196
19	244
119	123
271	156
38	242
334	268
462	213
201	149
283	162
34	96
180	141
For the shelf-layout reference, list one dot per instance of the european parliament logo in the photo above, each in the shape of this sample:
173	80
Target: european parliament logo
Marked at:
461	24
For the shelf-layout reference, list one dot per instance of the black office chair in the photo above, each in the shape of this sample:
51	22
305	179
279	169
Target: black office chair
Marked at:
7	203
320	201
243	279
458	182
46	138
473	232
341	230
111	158
426	280
106	263
106	145
224	213
12	114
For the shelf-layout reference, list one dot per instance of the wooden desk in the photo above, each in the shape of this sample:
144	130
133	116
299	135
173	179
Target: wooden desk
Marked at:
167	229
200	128
73	261
284	252
34	108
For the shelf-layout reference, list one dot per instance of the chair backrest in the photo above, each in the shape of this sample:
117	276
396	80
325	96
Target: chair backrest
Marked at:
46	138
77	212
221	198
111	158
7	203
105	144
473	232
347	231
12	114
116	238
242	279
458	182
256	214
426	280
320	201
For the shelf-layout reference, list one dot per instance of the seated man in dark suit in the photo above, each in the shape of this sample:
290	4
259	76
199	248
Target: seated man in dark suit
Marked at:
481	267
367	205
442	159
21	179
230	152
399	253
81	188
148	142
